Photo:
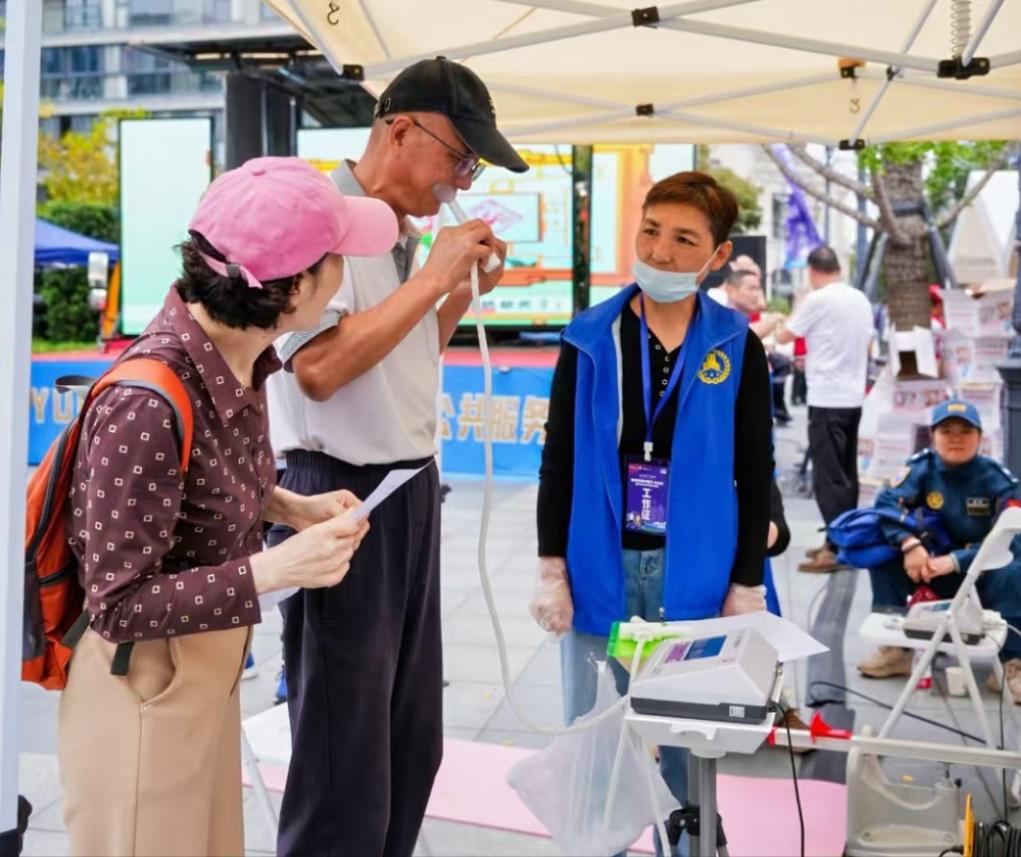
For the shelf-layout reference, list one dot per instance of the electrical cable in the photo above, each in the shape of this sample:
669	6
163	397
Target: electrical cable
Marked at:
794	774
980	773
1003	745
887	706
811	605
560	160
1004	689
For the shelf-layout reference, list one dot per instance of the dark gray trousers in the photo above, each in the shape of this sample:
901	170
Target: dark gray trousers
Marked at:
365	675
833	448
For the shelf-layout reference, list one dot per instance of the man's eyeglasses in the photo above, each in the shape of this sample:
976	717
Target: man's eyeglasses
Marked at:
467	166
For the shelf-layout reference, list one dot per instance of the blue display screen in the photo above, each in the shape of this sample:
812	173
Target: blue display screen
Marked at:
708	647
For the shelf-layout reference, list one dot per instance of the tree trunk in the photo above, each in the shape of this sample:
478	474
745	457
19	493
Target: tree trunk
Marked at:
907	263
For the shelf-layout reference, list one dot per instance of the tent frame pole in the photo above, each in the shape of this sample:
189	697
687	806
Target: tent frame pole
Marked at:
925	130
878	97
627	112
1004	60
916	79
364	6
597	10
798	43
983	28
671	17
617	21
525	131
774	134
547	95
17	225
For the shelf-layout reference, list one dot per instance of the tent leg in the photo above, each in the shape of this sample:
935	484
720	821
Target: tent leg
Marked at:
1010	368
17	225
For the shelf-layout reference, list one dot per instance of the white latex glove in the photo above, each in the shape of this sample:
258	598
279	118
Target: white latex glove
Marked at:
552	607
744	599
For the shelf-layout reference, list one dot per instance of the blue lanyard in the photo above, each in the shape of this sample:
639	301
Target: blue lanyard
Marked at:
675	377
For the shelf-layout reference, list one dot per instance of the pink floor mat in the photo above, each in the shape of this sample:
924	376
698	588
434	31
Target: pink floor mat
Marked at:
760	815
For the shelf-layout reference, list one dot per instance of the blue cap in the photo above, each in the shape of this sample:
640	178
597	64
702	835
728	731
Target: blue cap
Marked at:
956	409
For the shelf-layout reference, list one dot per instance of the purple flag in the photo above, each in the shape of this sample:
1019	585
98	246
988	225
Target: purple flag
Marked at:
802	235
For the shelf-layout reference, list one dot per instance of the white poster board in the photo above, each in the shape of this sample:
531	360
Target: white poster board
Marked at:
165	165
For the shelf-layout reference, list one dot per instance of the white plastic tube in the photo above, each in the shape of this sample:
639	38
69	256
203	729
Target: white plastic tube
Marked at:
487	503
447	196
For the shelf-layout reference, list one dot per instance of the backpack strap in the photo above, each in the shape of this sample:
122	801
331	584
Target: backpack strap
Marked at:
153	375
75	632
121	659
149	374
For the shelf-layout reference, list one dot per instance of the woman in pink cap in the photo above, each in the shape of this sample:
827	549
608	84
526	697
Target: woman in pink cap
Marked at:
172	565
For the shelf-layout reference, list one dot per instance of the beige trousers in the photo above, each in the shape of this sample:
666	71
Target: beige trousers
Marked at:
151	761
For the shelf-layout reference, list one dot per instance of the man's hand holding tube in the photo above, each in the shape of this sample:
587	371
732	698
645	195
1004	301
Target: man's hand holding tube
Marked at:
552	607
744	599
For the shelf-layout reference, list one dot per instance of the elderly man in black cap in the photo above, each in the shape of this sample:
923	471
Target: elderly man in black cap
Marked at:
364	659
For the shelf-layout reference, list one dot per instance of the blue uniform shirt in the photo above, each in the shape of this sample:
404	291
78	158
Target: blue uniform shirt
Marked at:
966	499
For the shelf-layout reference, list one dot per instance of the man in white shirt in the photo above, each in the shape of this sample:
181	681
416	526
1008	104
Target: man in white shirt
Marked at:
723	293
836	322
364	659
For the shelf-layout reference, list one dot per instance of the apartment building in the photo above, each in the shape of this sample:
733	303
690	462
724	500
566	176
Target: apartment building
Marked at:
92	59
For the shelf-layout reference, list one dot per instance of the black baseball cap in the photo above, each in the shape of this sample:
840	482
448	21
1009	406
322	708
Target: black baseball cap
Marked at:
441	86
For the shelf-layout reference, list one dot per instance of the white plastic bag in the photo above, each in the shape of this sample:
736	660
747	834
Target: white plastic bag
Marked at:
565	785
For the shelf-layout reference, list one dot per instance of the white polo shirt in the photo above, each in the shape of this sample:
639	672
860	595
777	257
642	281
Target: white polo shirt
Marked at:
719	294
386	415
836	322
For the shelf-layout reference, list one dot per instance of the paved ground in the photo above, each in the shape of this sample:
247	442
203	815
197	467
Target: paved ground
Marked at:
475	708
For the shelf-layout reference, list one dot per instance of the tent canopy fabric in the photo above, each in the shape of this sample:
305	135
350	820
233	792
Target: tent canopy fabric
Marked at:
55	245
708	71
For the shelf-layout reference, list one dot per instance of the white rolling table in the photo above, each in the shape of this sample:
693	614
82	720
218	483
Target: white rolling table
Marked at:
707	741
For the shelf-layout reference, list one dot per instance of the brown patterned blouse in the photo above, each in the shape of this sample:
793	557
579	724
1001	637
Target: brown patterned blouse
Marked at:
159	555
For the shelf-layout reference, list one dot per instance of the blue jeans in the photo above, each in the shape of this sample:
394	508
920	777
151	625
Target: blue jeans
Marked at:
643	575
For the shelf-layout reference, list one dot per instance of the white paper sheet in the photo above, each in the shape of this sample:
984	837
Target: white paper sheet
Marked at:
391	482
790	641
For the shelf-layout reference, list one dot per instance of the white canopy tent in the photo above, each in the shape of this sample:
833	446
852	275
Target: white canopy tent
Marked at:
566	71
701	71
17	262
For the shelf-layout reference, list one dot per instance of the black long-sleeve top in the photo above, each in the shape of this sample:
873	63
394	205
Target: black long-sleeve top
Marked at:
778	517
753	450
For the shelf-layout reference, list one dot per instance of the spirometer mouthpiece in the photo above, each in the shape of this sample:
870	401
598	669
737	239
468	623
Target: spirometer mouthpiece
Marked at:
448	196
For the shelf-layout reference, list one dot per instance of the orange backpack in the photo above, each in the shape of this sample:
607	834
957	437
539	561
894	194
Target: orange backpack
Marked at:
54	614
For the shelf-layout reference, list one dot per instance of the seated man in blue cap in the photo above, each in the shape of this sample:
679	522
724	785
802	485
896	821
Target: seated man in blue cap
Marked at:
959	493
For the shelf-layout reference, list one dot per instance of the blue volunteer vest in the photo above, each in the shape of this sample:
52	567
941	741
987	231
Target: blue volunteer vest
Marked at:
702	513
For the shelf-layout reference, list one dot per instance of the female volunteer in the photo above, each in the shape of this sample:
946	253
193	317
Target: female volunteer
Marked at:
654	493
150	760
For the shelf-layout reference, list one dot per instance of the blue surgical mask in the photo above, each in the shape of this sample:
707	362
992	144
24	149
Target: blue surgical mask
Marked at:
667	287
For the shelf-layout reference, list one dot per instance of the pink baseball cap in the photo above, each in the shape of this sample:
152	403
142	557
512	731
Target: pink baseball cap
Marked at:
275	217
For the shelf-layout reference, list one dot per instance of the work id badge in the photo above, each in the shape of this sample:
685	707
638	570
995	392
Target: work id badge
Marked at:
646	507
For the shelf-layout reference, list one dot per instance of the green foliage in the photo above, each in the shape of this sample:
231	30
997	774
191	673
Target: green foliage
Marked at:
947	164
749	216
82	166
86	218
44	346
65	314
